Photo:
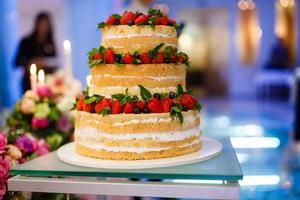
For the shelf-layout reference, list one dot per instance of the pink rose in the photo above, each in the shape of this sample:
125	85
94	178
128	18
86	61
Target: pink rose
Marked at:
3	142
44	91
42	147
39	123
4	169
27	106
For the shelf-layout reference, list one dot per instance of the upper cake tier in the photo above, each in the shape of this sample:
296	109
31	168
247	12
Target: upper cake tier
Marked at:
123	38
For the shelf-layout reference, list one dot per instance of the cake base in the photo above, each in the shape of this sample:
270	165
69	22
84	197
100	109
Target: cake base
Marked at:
209	149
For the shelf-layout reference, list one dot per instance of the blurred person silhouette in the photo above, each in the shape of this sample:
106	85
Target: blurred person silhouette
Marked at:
38	48
279	58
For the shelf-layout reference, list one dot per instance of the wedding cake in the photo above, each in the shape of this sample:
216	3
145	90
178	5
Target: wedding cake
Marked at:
137	106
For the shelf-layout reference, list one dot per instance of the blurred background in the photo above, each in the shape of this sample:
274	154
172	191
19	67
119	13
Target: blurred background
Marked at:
244	56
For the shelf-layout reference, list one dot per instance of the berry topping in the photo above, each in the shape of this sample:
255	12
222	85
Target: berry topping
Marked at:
157	96
155	106
141	105
127	18
188	101
167	103
105	103
136	110
79	105
145	58
171	21
129	107
111	20
128	58
158	58
164	21
142	19
97	56
172	95
109	56
116	107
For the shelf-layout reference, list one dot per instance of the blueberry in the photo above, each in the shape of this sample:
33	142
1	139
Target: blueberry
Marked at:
184	108
118	58
130	22
172	95
136	110
92	109
156	96
145	110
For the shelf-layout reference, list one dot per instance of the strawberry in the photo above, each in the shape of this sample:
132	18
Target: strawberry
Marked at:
97	56
141	105
158	58
164	21
105	103
129	107
145	58
188	101
87	107
156	21
175	101
173	59
182	57
166	104
155	106
128	18
128	58
116	107
109	56
142	19
111	20
79	105
171	21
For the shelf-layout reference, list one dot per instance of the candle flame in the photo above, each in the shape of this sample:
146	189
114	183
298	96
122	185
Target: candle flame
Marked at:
41	76
33	69
67	45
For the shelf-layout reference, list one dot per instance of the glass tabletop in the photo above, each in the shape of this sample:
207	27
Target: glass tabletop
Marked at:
222	167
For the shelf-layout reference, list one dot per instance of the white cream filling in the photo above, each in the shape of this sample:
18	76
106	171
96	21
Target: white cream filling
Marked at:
155	35
91	133
97	146
157	78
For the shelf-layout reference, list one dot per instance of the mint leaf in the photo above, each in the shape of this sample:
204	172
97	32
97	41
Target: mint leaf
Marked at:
102	50
180	89
93	99
155	50
145	94
116	16
105	111
198	107
94	63
101	25
91	53
176	112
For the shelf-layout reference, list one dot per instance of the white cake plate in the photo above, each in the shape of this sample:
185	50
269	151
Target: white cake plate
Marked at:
210	148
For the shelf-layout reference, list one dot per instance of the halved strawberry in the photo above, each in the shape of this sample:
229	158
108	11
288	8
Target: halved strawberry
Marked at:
140	104
129	107
87	107
116	107
105	103
155	106
145	58
182	57
128	18
166	104
128	58
158	58
111	20
97	56
142	19
164	20
109	56
188	101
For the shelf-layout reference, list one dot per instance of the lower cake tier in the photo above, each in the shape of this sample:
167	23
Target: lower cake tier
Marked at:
136	136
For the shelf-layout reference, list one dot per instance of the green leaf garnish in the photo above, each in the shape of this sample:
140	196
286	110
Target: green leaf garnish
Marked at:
153	52
198	107
101	25
102	50
145	94
176	112
105	111
116	16
93	99
180	90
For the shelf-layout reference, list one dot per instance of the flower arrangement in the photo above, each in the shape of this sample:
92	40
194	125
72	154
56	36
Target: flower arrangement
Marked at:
39	123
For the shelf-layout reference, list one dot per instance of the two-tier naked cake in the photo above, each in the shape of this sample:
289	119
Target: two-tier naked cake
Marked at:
137	106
